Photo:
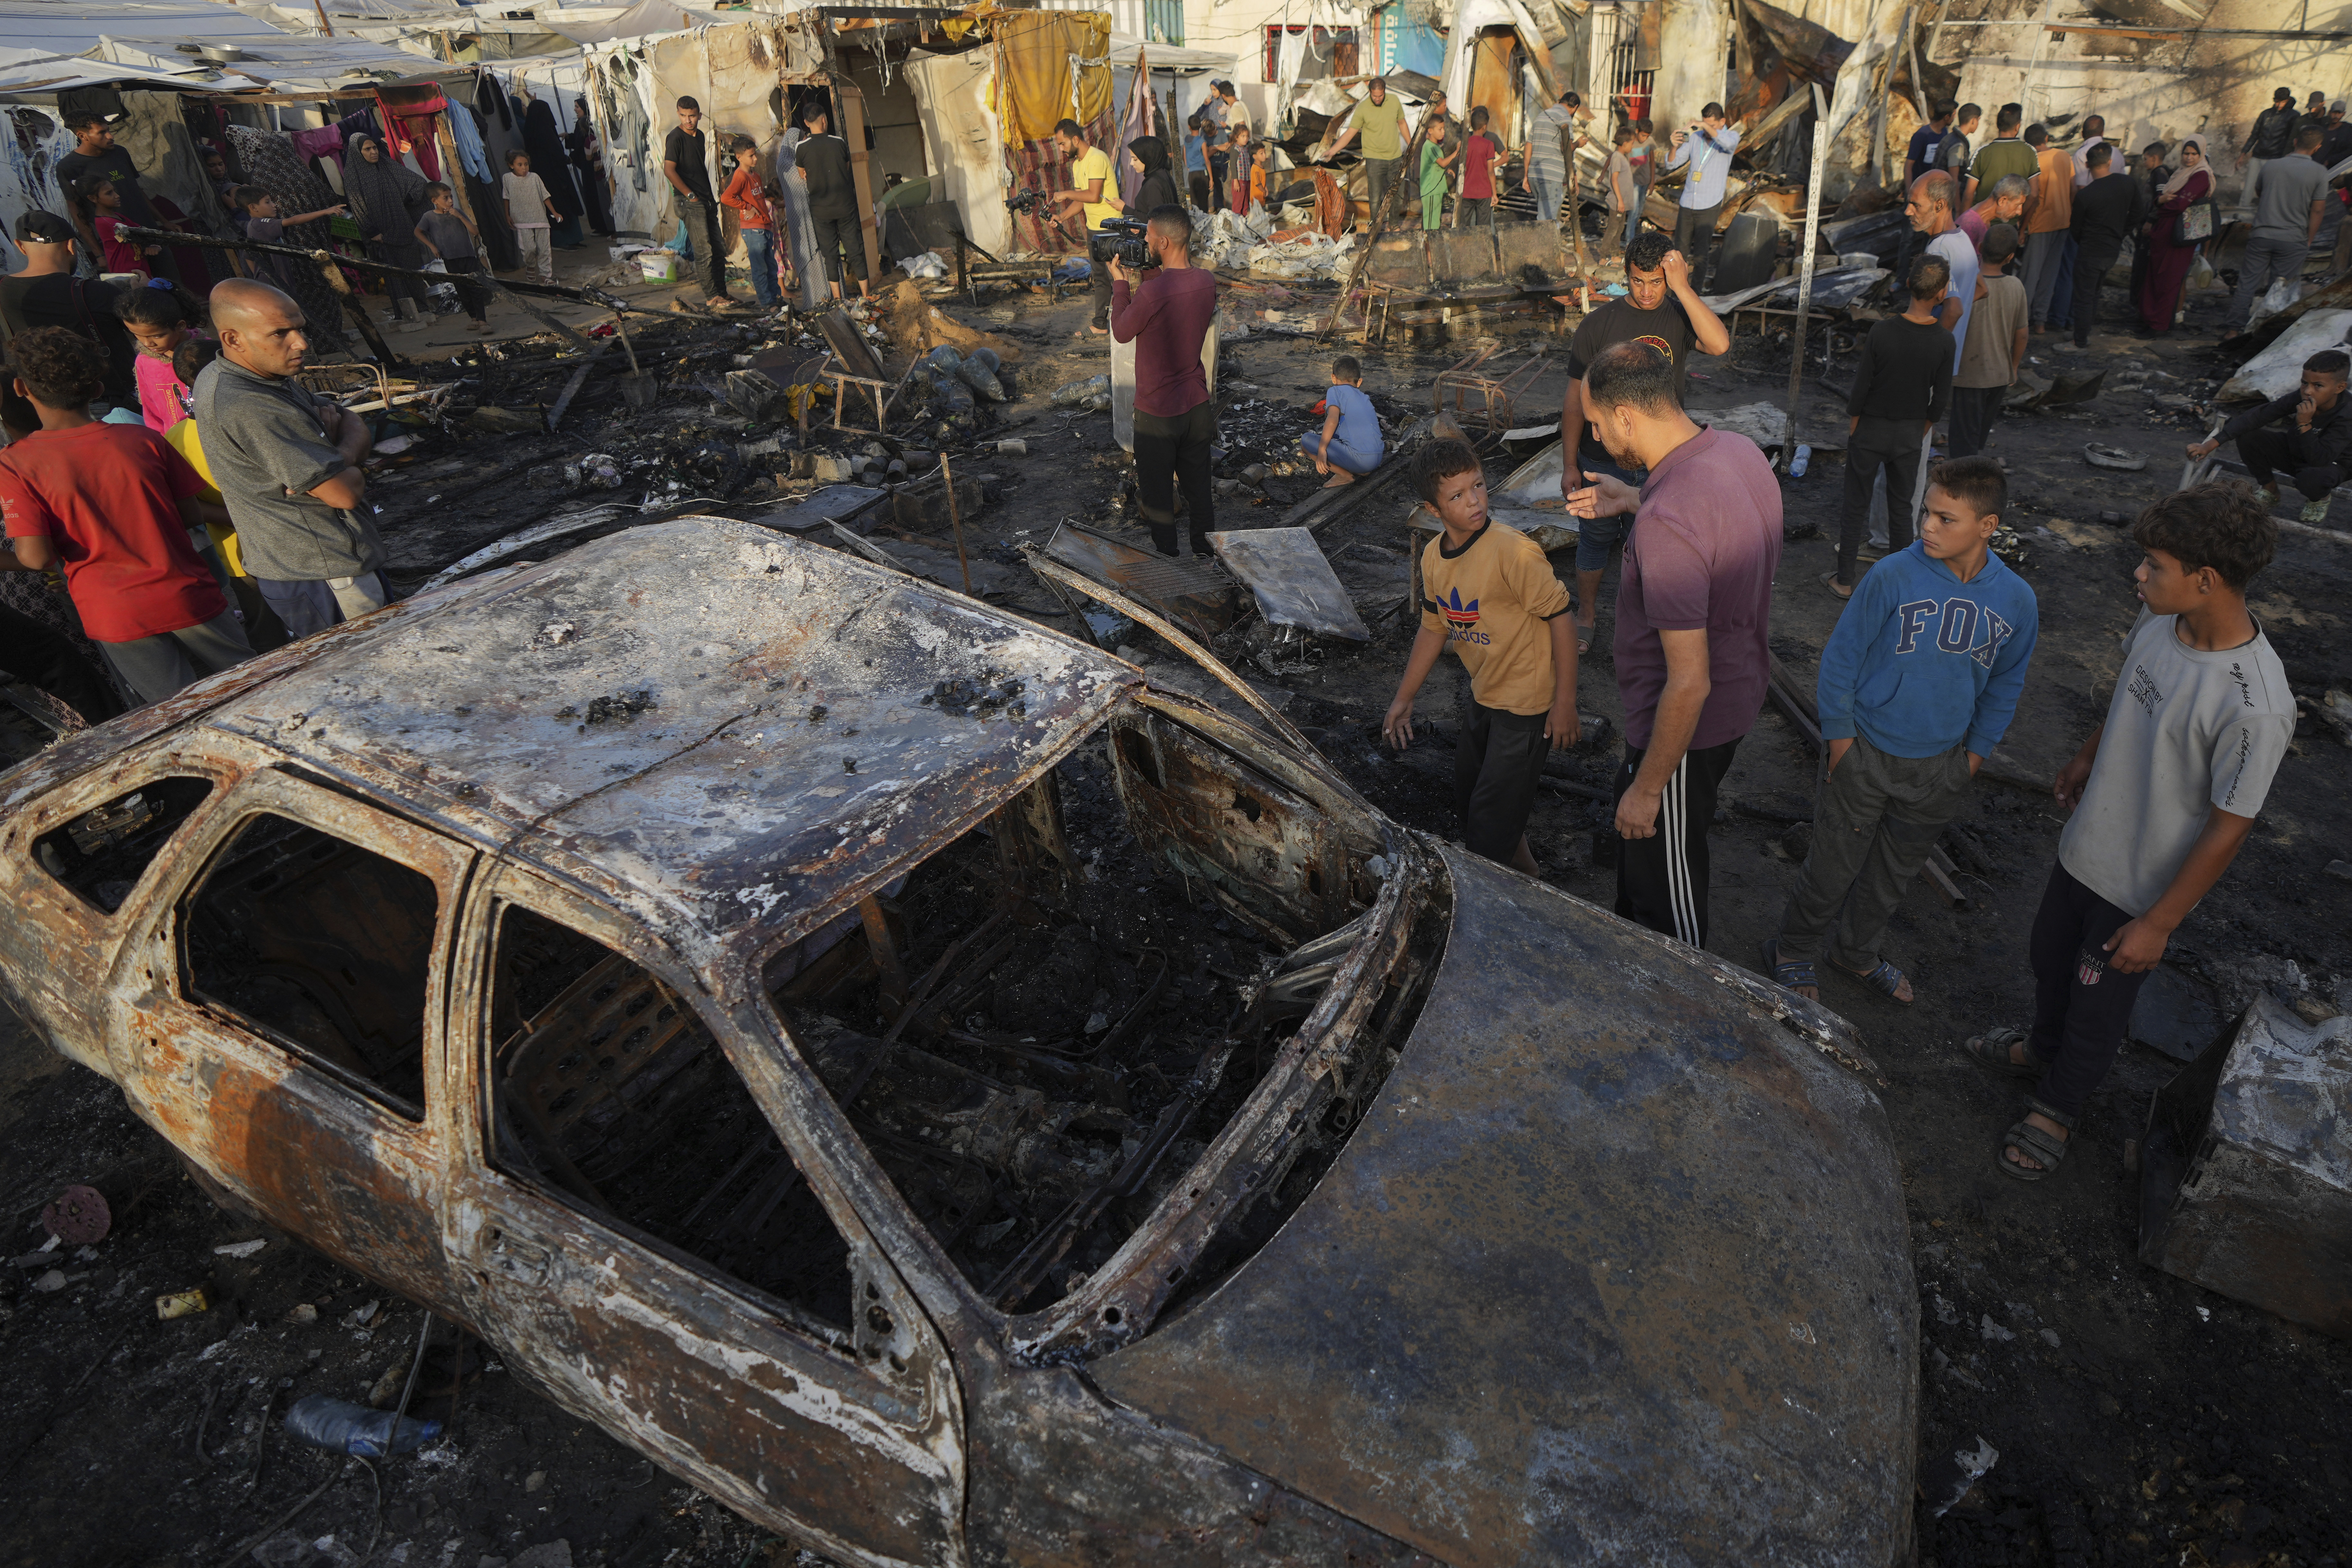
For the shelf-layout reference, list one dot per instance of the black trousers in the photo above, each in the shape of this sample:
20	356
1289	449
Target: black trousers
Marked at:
1497	758
34	654
837	237
1098	295
1199	185
2271	450
1694	237
473	295
1662	879
1892	445
2082	1003
2090	266
1975	411
1172	450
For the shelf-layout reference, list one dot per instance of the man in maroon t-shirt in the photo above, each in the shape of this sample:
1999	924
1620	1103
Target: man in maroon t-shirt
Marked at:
113	505
1166	318
1692	614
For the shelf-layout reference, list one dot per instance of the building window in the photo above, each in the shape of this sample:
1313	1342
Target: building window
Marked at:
1163	21
1330	52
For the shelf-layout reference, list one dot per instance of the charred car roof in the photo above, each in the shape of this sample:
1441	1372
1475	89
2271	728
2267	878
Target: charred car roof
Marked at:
701	713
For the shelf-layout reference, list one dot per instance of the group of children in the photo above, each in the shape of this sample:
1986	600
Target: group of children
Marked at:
1917	684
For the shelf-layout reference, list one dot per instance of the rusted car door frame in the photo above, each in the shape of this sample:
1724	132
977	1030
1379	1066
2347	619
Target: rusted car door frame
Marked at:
889	1392
200	1073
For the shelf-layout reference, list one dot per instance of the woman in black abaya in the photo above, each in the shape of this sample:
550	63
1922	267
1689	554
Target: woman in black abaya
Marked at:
588	164
552	164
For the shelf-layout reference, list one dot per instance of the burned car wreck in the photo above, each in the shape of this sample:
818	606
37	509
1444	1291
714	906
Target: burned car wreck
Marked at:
768	998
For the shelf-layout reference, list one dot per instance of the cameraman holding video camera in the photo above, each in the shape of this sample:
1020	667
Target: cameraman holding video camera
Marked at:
1092	199
1167	317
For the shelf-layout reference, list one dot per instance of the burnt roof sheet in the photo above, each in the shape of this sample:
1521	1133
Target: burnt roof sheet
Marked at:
732	722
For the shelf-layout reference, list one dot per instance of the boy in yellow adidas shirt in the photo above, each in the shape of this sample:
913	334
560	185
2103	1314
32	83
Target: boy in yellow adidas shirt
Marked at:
1488	592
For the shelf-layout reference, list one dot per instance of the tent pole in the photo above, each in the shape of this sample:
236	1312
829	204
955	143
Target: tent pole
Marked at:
852	131
1805	286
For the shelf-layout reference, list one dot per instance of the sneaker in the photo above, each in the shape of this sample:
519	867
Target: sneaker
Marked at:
2267	495
2315	512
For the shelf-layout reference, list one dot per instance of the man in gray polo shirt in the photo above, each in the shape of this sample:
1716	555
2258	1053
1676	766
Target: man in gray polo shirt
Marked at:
287	464
2290	200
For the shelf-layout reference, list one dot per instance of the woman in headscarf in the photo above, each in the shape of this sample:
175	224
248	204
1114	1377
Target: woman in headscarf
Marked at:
386	197
553	166
2169	255
588	164
1157	186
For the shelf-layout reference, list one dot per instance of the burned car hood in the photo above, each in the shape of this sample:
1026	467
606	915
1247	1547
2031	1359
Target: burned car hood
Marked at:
1616	1270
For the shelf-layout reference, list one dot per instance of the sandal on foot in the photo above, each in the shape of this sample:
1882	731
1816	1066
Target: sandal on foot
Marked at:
2046	1152
1830	580
1788	974
1885	978
1991	1051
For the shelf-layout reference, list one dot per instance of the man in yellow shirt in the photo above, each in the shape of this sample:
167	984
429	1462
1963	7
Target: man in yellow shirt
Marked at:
1091	199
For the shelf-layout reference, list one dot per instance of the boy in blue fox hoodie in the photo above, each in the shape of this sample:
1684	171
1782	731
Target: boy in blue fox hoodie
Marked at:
1916	685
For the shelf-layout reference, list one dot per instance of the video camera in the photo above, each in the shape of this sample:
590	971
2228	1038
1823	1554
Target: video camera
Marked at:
1121	239
1024	201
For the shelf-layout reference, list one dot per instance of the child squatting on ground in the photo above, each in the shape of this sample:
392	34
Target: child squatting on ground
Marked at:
2163	795
1349	442
1489	593
1917	684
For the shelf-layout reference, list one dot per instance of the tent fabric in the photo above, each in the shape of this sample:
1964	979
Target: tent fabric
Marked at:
154	133
1035	50
644	19
955	97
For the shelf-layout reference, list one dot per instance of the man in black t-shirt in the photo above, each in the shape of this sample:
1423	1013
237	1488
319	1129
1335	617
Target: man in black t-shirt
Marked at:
95	154
1660	308
823	160
48	294
686	164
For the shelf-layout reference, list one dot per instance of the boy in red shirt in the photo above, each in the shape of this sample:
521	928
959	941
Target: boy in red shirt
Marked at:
113	504
1475	202
754	220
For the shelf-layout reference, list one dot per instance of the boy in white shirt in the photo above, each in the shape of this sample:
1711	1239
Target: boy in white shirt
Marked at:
530	209
2164	794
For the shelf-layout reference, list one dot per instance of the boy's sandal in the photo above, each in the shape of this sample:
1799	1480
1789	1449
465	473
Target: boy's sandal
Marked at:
1991	1051
1885	978
1830	580
2045	1151
1788	974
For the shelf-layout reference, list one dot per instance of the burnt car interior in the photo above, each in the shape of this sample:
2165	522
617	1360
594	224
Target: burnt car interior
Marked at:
1038	1035
609	1092
102	853
323	946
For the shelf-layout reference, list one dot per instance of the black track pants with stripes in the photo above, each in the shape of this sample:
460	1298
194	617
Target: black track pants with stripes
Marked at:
1662	879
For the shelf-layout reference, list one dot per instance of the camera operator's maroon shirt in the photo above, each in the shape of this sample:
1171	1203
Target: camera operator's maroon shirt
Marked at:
1704	548
1166	320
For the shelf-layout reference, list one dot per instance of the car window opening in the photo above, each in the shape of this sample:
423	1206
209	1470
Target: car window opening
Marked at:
1038	1037
102	853
326	946
610	1092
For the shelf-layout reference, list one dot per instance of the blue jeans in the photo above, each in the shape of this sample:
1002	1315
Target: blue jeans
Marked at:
1595	536
759	250
1340	454
1633	223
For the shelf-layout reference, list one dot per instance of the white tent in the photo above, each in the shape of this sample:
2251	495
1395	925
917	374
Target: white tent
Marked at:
605	24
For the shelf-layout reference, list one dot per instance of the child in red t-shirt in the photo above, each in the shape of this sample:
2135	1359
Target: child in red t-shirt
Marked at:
101	208
1475	202
755	220
112	504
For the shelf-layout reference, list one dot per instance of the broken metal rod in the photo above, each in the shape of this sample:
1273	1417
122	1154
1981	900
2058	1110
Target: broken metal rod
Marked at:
545	290
955	522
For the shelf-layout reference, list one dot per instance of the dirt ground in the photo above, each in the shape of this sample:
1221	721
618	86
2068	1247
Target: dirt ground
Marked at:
2139	1419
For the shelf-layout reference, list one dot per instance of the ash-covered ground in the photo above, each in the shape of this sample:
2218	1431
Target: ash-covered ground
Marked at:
2139	1419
